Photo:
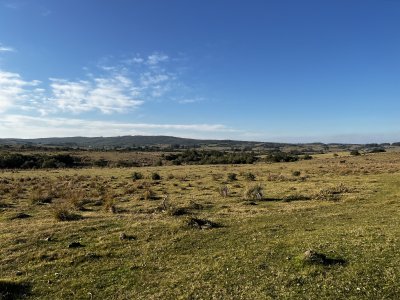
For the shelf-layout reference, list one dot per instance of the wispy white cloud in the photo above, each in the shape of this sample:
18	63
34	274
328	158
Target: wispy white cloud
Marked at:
14	91
156	58
107	94
24	126
190	100
6	49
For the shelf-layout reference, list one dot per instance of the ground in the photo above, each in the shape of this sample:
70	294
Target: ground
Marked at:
136	238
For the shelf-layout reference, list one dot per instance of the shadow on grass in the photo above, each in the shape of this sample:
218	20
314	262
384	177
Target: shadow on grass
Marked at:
202	224
271	199
14	290
316	258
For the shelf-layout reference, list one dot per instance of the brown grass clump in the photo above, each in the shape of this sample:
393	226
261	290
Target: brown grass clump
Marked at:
332	193
62	213
148	194
109	202
223	191
40	197
253	192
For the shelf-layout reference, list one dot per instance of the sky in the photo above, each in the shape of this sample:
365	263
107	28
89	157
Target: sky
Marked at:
260	70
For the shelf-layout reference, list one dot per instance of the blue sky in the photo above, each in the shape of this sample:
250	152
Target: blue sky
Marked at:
288	70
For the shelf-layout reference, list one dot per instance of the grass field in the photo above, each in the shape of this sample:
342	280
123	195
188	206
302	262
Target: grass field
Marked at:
197	233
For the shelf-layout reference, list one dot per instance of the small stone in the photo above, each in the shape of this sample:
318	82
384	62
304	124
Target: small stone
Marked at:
18	273
122	236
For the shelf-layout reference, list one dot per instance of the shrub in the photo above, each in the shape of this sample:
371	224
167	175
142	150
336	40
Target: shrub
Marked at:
250	176
232	176
253	192
109	202
279	156
39	197
355	153
76	199
155	176
63	214
148	194
332	193
377	150
137	176
223	191
296	173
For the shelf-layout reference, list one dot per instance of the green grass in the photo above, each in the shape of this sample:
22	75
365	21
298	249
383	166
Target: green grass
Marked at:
257	253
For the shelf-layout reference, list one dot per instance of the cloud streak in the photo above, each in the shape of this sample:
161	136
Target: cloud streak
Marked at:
14	91
23	126
106	94
6	49
116	88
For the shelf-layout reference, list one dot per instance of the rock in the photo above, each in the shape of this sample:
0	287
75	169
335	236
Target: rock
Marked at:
122	236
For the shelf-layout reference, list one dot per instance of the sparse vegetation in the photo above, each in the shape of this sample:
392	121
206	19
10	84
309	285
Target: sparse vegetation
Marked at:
64	214
137	175
355	152
232	176
277	237
253	192
155	176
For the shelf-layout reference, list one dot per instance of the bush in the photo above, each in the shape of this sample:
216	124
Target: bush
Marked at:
250	176
39	197
355	153
232	176
76	199
254	192
223	191
137	176
377	150
279	156
205	157
63	214
155	176
109	202
148	194
296	173
332	193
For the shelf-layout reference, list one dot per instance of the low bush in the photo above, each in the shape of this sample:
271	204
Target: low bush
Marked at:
137	175
250	176
253	192
232	176
223	191
64	214
155	176
296	173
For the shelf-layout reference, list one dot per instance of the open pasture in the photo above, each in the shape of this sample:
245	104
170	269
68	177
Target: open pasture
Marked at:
316	229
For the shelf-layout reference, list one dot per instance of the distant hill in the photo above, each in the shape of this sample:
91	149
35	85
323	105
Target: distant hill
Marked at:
134	141
162	142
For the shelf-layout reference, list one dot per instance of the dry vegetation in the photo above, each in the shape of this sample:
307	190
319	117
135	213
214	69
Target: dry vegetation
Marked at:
321	228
